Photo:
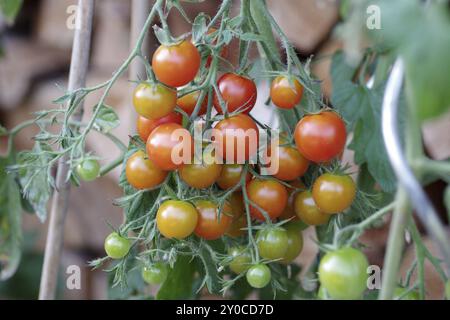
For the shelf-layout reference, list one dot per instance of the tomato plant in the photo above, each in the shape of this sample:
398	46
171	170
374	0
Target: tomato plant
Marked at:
196	227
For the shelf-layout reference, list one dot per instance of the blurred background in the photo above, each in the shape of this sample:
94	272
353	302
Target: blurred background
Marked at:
34	63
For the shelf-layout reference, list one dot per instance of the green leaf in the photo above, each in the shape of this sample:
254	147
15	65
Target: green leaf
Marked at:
36	185
180	280
421	36
107	119
361	109
249	36
10	9
199	27
10	222
212	278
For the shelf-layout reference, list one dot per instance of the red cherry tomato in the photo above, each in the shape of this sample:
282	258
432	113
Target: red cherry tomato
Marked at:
189	101
176	65
146	126
169	146
269	195
210	226
320	137
283	95
231	176
289	211
236	138
238	93
154	101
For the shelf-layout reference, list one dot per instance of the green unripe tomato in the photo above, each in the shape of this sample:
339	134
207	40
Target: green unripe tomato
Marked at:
241	260
258	276
155	273
295	243
343	273
116	247
272	243
88	170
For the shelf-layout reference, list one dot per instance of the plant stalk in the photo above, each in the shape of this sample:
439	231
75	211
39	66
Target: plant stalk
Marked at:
77	79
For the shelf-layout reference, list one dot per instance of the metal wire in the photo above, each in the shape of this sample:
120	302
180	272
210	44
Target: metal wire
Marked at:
423	206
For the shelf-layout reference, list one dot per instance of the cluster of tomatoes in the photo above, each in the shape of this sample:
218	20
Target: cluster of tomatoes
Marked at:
275	203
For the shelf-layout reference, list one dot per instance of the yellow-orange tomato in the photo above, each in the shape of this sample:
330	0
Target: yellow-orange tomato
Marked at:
236	138
269	195
176	219
154	101
287	162
236	201
189	101
283	94
231	176
289	211
307	210
177	64
210	225
333	193
142	173
201	175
